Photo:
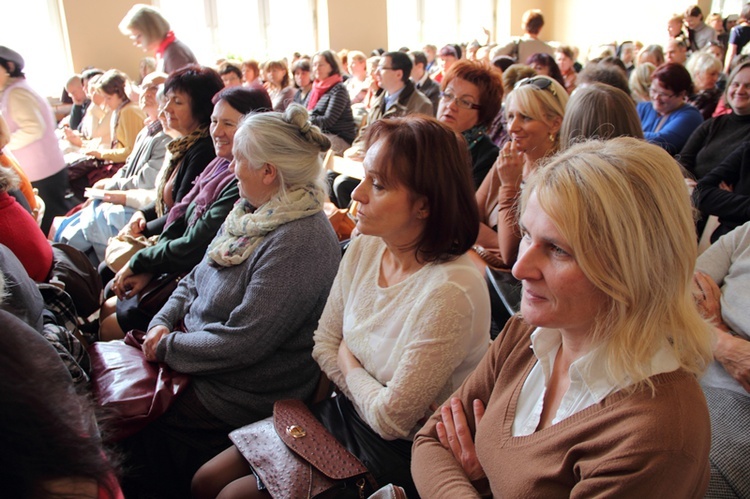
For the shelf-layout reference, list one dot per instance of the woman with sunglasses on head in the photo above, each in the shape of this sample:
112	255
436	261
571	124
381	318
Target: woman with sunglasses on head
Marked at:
470	99
534	111
591	391
668	120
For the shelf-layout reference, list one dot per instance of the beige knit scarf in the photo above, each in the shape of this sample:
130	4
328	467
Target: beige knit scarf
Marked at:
244	229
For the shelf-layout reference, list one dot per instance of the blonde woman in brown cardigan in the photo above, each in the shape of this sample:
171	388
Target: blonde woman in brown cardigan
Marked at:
592	391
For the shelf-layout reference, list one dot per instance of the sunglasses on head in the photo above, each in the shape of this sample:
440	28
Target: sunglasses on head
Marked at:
538	82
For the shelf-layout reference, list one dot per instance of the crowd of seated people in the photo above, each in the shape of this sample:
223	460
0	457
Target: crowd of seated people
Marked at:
223	186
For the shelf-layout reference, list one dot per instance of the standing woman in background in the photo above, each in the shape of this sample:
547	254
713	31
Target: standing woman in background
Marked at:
151	32
32	136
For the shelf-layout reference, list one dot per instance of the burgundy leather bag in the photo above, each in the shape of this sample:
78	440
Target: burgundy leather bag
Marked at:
132	390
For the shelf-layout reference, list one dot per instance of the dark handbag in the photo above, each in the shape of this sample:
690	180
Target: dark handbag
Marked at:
132	390
156	293
296	457
86	171
80	280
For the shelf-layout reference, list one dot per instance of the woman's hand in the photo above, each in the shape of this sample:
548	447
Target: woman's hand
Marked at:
118	282
155	334
93	153
707	297
346	359
136	226
72	137
510	164
127	284
115	197
455	435
734	354
136	283
100	184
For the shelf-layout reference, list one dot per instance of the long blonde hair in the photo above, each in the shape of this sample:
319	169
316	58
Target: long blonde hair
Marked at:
622	206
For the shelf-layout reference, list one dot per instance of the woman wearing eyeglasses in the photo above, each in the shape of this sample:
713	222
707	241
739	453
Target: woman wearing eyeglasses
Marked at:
668	120
470	99
534	111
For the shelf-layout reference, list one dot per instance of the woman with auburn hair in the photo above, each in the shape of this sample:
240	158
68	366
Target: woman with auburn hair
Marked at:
149	30
279	89
592	389
408	315
470	99
668	120
599	111
535	111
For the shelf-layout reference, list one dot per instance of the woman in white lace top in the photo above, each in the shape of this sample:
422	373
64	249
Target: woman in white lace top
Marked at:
408	316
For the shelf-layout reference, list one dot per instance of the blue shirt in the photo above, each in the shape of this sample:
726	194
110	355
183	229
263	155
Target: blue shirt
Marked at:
675	130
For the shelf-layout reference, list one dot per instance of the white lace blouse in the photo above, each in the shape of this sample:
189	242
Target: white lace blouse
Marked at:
416	340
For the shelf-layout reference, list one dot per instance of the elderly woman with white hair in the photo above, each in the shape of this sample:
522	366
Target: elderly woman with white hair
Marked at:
705	70
241	323
592	390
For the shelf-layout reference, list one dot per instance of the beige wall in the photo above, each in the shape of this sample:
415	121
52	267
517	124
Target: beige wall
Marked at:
368	32
94	37
95	40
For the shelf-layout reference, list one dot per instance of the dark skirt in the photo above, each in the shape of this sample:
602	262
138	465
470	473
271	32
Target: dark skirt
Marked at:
389	461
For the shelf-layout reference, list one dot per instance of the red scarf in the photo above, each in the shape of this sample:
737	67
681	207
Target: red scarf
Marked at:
168	39
319	89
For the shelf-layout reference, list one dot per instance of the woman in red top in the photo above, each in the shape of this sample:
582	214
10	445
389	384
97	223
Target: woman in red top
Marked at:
20	232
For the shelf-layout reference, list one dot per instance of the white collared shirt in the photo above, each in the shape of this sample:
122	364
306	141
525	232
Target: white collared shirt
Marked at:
589	383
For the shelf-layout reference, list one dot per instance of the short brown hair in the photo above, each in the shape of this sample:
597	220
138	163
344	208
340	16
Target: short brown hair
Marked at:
429	159
489	83
113	82
533	21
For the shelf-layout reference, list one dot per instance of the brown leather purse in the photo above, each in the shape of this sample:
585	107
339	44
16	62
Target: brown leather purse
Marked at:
296	457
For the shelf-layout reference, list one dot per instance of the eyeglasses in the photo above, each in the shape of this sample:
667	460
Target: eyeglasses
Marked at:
383	68
538	82
460	101
655	94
